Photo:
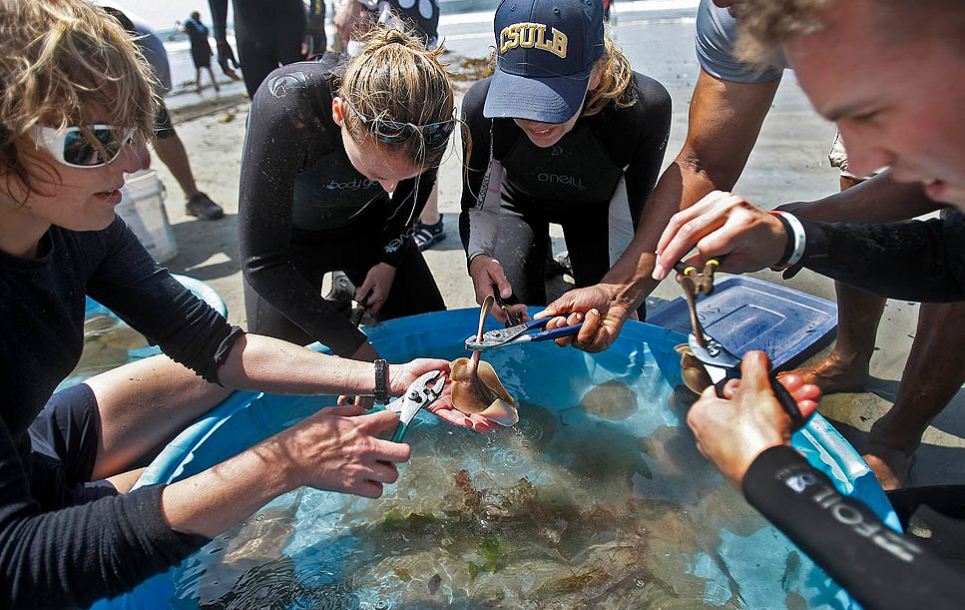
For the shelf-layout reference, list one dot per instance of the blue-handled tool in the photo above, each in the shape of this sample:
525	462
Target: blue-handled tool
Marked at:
521	333
721	365
420	394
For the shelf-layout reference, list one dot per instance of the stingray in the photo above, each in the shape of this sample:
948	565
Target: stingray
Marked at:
693	372
476	387
613	400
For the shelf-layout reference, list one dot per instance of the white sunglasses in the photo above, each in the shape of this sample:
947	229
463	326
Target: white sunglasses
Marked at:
72	147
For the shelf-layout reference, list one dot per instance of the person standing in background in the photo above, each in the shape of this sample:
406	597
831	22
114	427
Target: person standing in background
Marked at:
200	49
167	144
269	34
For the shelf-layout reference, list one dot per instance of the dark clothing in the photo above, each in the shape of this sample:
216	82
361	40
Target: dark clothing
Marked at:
51	556
200	47
917	261
269	34
574	183
355	252
879	567
63	439
420	16
304	208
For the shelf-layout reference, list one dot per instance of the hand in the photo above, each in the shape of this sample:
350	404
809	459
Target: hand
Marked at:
598	307
721	224
444	410
375	290
339	449
226	57
401	376
486	272
732	431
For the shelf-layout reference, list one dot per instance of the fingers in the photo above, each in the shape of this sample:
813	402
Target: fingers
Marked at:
378	423
384	472
755	369
347	410
367	489
688	227
387	451
498	277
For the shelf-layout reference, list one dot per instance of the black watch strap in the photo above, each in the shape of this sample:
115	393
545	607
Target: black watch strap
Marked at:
381	381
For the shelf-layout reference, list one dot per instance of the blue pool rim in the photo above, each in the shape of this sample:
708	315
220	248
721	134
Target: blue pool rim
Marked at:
819	442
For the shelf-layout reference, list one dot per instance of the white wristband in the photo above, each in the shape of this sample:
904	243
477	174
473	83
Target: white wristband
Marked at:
799	236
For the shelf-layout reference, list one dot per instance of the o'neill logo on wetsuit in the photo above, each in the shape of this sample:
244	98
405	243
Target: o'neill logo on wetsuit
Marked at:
532	35
563	179
354	184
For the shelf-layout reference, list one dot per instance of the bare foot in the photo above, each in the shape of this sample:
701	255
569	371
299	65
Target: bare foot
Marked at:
833	375
891	466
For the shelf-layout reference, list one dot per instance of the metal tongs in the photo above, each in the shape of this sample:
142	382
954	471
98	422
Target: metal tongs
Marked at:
420	394
721	365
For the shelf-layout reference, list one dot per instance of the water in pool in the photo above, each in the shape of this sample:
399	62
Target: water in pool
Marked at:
597	497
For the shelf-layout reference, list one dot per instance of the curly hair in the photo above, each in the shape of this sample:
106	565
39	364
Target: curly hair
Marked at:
615	77
66	63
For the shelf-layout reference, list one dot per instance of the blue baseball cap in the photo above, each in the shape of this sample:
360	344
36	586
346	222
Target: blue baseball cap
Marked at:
546	50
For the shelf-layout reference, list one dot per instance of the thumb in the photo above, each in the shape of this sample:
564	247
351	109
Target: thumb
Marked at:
755	369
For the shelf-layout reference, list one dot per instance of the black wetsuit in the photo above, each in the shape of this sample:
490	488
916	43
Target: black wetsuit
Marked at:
880	568
305	210
917	261
50	555
920	261
269	33
418	15
571	183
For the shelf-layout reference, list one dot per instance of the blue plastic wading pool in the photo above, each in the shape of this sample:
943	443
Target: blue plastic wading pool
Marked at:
596	496
109	342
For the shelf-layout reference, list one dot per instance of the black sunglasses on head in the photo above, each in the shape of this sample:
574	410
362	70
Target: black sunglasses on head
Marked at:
393	132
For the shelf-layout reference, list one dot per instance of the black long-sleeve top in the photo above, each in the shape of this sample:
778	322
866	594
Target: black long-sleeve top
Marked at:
879	567
73	556
918	260
297	183
584	166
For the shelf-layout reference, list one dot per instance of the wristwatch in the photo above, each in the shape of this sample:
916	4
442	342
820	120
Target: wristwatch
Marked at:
381	381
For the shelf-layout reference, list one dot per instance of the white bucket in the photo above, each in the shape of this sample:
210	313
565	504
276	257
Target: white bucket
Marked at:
142	208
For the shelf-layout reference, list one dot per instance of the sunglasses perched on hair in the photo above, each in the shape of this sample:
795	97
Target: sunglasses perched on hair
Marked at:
393	132
71	146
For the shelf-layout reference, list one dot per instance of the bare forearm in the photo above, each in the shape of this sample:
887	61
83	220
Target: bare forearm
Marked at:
880	200
212	501
680	186
263	363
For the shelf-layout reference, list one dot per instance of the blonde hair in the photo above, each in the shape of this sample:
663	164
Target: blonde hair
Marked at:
615	78
396	78
61	63
766	24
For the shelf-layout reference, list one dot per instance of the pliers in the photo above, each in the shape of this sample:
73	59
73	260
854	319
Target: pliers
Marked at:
520	333
420	394
721	365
